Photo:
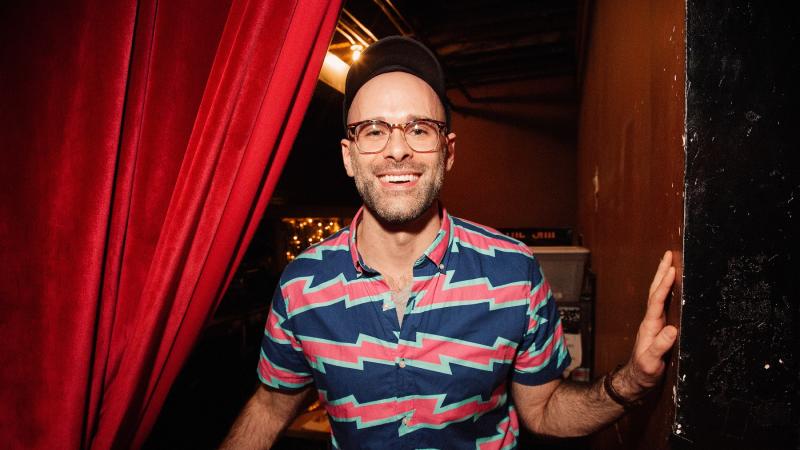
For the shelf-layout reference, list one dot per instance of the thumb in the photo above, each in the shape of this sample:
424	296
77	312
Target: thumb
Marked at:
663	341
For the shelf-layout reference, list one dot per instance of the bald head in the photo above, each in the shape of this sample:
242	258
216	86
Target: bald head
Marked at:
395	97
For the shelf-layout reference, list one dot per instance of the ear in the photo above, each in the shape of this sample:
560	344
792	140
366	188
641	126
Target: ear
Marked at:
450	147
345	143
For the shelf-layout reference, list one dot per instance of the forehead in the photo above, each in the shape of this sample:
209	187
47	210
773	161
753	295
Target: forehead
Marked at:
395	96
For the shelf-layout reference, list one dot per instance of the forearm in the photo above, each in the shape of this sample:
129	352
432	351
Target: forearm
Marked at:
578	409
263	418
570	409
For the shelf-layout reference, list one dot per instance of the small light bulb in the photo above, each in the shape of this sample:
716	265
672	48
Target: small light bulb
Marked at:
356	49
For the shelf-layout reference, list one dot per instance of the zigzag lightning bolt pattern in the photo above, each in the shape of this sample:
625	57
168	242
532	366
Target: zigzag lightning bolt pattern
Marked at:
421	411
472	292
429	352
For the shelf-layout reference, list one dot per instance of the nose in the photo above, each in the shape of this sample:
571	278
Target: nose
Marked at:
397	148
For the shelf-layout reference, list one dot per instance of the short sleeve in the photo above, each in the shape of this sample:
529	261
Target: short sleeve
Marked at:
282	364
542	355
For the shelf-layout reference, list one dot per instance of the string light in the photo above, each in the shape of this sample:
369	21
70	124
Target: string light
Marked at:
306	231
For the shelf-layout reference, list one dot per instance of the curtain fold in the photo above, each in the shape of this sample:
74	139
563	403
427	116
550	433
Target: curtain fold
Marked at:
140	146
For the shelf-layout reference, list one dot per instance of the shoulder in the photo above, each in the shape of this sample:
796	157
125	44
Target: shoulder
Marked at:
486	239
501	256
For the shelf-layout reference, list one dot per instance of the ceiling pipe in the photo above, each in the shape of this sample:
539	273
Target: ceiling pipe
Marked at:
394	16
340	46
360	25
398	14
353	33
345	34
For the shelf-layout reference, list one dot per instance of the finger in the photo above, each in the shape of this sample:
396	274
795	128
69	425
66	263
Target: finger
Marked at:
663	266
655	304
661	345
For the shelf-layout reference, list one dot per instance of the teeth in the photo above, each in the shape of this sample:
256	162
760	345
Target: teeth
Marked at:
399	178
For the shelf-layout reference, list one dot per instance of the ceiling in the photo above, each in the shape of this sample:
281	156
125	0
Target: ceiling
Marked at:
478	41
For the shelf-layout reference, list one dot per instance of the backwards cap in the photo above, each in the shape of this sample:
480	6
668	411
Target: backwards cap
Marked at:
395	54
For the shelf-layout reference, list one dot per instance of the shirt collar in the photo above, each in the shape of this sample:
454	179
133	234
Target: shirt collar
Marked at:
435	252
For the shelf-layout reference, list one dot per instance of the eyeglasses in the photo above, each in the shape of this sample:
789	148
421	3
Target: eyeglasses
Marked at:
372	136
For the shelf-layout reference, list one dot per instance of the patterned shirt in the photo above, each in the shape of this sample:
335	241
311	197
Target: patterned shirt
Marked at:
480	315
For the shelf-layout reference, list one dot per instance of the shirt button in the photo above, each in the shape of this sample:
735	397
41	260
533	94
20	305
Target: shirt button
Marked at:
402	363
441	266
406	421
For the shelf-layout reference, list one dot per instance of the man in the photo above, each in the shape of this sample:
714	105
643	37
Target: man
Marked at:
419	329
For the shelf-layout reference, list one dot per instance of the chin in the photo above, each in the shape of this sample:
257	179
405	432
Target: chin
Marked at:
399	208
398	220
400	214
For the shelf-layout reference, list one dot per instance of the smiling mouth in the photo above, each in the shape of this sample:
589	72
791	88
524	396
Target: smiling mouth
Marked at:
399	179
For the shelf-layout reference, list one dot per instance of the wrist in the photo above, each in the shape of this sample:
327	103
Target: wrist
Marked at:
620	387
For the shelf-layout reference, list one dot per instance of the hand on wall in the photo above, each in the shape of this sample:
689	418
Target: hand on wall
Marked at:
654	339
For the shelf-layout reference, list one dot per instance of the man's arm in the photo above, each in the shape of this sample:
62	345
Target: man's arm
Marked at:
264	416
570	409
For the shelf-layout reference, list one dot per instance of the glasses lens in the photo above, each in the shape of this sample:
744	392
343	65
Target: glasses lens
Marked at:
371	137
422	135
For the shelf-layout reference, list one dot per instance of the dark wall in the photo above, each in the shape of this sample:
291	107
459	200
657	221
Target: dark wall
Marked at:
515	154
630	183
314	179
739	338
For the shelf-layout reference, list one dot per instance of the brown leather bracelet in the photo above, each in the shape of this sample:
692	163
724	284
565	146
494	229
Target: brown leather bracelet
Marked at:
613	394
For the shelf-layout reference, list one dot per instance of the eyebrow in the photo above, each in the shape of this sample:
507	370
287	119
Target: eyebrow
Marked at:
407	118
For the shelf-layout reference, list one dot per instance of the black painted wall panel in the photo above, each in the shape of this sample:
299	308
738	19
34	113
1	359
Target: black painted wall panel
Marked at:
738	352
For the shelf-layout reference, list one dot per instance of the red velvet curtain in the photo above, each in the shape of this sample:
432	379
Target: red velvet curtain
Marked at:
139	145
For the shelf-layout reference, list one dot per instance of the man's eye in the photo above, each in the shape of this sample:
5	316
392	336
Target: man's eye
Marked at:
373	131
418	130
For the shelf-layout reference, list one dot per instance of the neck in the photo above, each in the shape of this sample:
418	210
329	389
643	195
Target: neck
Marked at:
393	249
